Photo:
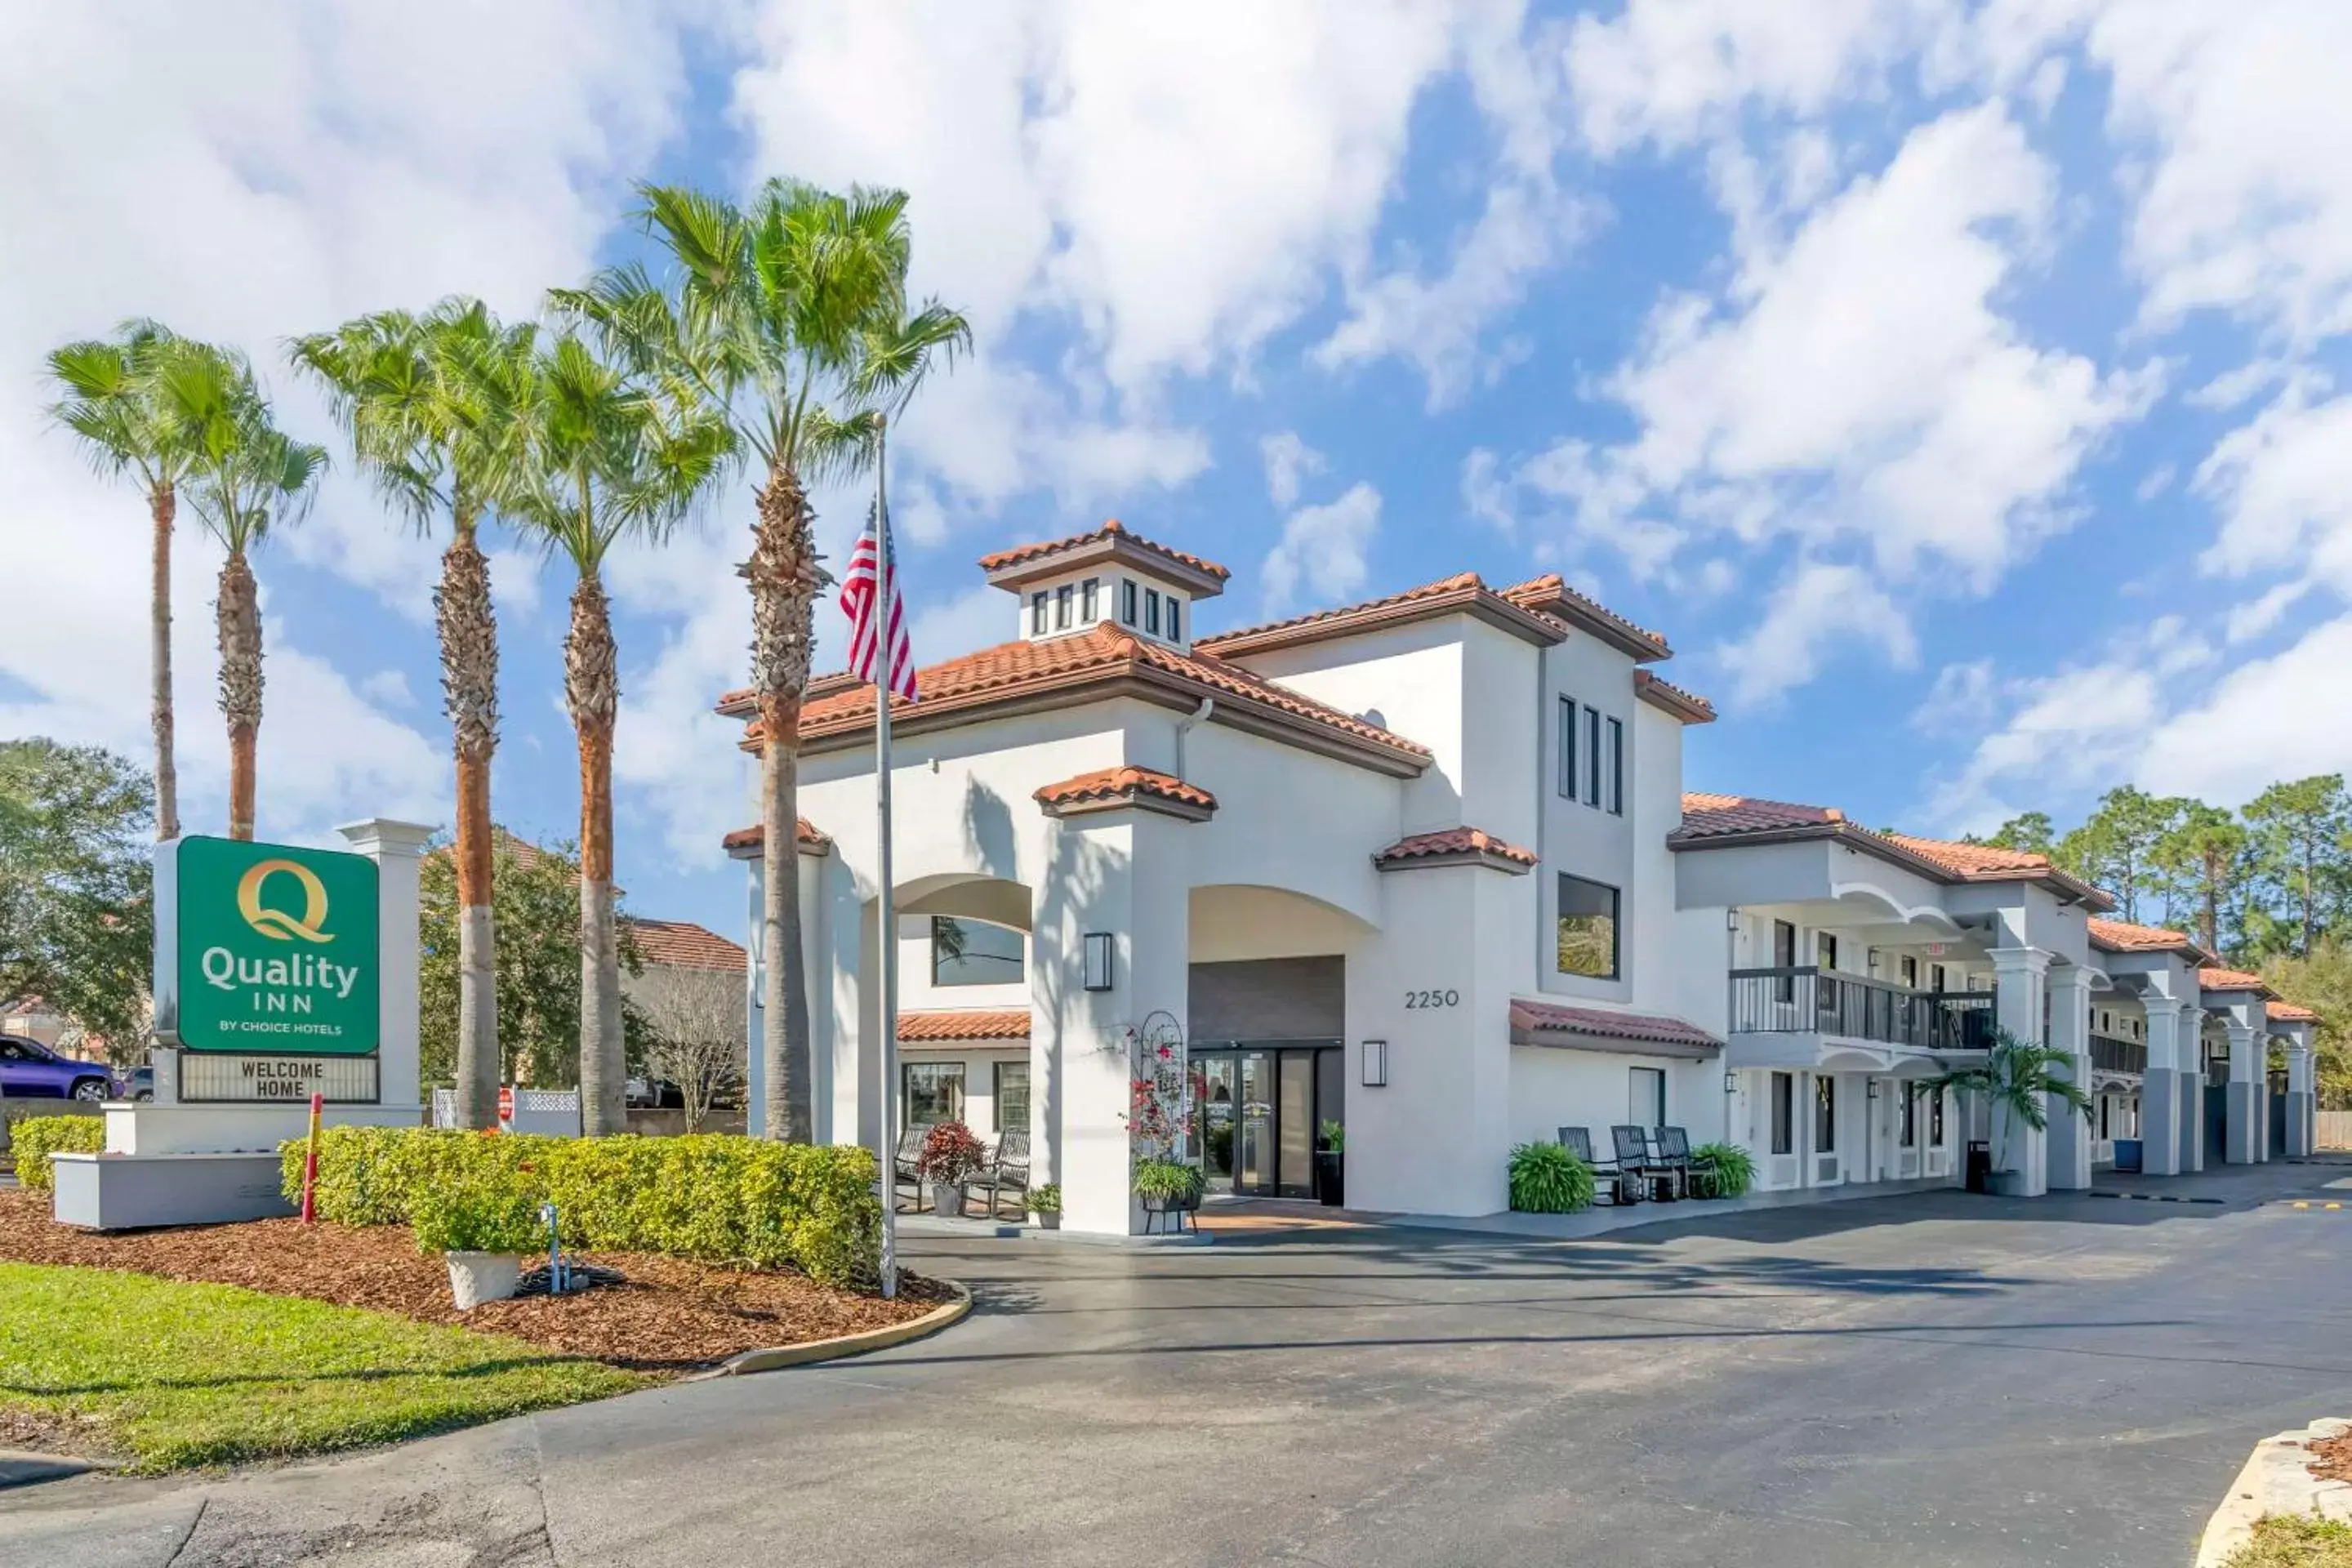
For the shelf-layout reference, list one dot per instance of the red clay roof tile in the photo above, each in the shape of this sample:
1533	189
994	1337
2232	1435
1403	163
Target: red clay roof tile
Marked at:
1706	816
931	1025
1464	591
1122	784
2221	979
1605	1023
682	944
2291	1013
1021	554
1552	592
755	835
1452	843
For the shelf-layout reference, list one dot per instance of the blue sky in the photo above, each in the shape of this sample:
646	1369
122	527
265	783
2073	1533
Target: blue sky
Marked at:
1956	385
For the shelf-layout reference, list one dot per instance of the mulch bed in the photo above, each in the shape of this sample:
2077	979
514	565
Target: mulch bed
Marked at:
664	1314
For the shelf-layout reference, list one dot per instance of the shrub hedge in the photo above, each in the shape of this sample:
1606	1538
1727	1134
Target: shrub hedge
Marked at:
717	1198
35	1138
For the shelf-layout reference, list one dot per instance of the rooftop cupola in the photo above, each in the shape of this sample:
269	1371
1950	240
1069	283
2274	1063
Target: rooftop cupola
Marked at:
1107	576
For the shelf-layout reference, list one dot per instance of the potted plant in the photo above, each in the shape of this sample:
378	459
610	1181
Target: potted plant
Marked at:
1046	1205
482	1231
1329	1175
1167	1186
2019	1080
949	1156
1727	1170
1548	1178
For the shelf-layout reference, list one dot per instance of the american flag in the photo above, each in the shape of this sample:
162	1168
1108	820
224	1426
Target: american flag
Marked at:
857	600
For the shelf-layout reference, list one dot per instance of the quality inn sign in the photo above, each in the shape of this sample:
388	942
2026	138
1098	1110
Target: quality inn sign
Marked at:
266	948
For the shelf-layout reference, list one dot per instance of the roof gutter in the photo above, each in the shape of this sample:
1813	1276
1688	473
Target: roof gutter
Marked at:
1184	727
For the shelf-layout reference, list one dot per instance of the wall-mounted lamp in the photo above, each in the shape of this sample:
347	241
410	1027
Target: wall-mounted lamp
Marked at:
1870	1087
1731	1083
1376	1064
1731	920
1099	947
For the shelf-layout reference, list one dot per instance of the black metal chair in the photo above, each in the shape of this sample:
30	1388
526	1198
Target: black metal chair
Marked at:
1007	1171
1634	1160
1578	1140
903	1172
1673	1152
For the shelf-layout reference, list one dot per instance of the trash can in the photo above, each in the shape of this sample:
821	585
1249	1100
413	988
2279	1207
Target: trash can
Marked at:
1980	1166
2128	1154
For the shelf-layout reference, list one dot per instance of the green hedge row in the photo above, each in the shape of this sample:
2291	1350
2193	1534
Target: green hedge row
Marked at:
35	1138
714	1197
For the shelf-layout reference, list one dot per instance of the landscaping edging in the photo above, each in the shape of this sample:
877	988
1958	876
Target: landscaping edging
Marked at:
2276	1480
842	1345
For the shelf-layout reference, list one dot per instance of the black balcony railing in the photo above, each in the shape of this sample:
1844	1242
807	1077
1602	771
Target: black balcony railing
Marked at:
1806	1001
2111	1055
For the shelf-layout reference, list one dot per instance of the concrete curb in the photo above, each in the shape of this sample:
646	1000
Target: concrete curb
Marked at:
24	1467
2277	1479
782	1357
933	1227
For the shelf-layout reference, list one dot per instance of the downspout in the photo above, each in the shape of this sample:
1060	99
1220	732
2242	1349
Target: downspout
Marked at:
1184	727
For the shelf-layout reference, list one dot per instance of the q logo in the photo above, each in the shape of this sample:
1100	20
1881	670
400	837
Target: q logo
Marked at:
279	924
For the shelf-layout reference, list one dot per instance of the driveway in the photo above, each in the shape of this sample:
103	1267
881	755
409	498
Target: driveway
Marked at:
1932	1379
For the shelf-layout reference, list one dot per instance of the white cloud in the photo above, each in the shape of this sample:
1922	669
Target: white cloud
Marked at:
1484	494
2285	717
2282	485
2256	617
1323	550
388	689
1960	701
1287	461
976	618
1817	608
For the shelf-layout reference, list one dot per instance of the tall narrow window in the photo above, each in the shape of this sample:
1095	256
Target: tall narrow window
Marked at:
1648	1101
1175	619
1934	977
1038	613
1089	601
1824	1114
1784	1113
1910	1134
1935	1117
1616	768
1825	949
1568	748
1593	756
1010	1100
1910	973
1151	611
1587	928
1127	600
1784	959
1062	597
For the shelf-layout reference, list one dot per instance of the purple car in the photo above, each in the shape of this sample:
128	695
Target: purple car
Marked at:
30	1070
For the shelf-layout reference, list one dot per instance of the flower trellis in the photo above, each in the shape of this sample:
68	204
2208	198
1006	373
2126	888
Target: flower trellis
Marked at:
1158	1094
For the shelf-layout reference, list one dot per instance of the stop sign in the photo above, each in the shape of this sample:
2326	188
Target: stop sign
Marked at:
506	1103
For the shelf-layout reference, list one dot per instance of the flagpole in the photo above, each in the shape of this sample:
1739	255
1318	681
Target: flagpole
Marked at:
886	946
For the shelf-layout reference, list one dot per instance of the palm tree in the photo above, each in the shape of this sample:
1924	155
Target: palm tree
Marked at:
2019	1080
609	462
432	406
110	401
767	326
248	479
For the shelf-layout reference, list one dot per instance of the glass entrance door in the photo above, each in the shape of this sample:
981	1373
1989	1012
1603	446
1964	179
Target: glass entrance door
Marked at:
1217	1092
1253	1172
1255	1115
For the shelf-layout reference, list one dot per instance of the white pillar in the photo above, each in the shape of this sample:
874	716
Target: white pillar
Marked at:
2241	1141
2020	977
2170	1038
2071	1135
2300	1104
398	850
755	1060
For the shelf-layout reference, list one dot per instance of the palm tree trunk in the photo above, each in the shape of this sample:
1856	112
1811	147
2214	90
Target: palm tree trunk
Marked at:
784	579
469	685
591	688
239	613
162	505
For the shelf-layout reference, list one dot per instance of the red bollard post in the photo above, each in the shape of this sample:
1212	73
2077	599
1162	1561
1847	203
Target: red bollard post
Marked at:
311	1163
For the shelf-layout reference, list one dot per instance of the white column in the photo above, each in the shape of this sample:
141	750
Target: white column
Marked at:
398	850
2020	977
2240	1144
2170	1037
755	1062
2071	1135
2300	1104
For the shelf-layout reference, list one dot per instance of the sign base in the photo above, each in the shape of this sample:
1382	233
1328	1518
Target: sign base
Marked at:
130	1192
150	1126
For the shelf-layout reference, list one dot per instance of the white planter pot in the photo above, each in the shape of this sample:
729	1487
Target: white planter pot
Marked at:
478	1277
2007	1184
1048	1221
947	1201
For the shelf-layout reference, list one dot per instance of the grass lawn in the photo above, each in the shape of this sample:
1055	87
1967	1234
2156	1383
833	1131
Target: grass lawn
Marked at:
2281	1540
167	1374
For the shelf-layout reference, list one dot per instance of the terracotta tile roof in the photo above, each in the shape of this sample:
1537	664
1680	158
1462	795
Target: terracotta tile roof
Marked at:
1126	786
933	1025
1535	1018
1466	592
1972	859
1452	844
1551	593
2291	1013
2218	979
2119	936
1017	671
1688	706
755	836
682	944
1113	532
1708	815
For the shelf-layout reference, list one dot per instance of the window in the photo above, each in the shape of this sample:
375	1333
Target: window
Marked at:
1616	768
974	953
1593	756
1648	1101
1012	1100
1934	977
1911	974
1824	950
2104	1101
1587	928
1824	1114
1062	597
1151	611
1127	600
1090	601
1909	1135
1784	957
1568	748
933	1092
1175	619
1936	1118
1784	1113
1038	613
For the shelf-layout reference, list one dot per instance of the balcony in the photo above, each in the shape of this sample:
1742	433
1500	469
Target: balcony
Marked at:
1806	1001
2111	1055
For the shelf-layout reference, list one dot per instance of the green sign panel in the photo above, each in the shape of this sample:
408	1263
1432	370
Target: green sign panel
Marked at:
264	948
